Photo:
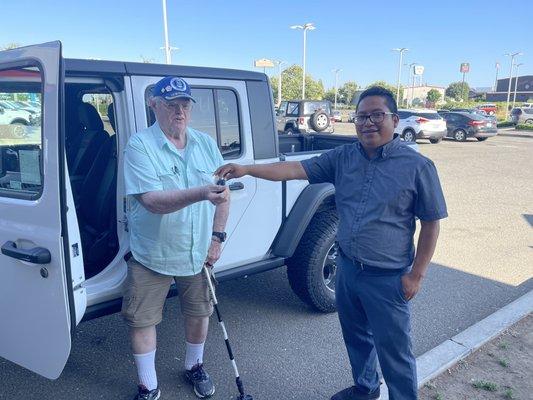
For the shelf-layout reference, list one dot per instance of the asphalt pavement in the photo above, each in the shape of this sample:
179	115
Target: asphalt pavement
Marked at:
284	350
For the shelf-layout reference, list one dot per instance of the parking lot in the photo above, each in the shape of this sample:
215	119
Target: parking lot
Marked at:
484	260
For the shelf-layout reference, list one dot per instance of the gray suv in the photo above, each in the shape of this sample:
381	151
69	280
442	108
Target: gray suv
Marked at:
522	115
304	116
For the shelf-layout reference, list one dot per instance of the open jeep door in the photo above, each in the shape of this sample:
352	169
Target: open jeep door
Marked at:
37	311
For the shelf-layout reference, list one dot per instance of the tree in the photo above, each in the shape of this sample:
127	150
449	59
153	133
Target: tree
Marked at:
347	92
433	96
291	85
457	91
10	46
330	95
385	85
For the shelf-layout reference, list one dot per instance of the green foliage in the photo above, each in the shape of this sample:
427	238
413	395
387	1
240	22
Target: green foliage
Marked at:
458	91
291	85
508	394
503	363
524	127
10	46
485	385
347	92
433	96
504	124
330	95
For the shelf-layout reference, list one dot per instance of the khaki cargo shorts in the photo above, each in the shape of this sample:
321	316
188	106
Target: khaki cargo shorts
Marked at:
145	292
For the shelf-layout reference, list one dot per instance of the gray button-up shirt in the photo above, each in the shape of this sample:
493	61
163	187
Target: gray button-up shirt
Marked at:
378	199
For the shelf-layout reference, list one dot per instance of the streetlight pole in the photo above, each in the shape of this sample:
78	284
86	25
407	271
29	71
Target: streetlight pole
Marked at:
516	82
278	63
496	80
412	74
308	26
336	72
167	46
512	55
401	51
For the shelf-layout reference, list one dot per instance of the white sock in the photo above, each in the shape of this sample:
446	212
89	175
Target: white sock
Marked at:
194	354
146	369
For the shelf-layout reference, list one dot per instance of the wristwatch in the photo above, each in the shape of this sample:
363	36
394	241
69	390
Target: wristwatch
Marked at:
220	235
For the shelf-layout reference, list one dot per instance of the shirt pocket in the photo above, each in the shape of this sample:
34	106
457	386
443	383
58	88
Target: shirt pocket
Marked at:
171	181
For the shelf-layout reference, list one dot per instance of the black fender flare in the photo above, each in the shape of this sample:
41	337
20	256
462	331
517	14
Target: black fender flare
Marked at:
313	198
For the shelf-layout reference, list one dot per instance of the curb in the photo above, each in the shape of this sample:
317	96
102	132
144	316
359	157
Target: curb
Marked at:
439	359
521	135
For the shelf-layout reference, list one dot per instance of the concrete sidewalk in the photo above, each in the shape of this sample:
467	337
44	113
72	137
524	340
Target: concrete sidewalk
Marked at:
512	132
439	359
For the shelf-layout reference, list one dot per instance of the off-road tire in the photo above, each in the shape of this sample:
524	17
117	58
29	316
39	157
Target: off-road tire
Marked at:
319	121
305	269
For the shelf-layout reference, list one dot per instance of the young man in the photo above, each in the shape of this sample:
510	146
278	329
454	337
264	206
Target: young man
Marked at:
381	187
173	231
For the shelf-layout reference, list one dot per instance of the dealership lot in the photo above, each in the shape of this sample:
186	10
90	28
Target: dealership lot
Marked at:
484	260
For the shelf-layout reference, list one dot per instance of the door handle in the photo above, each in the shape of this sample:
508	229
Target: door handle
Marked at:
236	186
36	255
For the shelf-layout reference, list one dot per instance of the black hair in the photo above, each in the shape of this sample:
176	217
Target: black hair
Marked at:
381	92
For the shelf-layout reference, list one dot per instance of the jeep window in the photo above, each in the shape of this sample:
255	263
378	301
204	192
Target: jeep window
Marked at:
21	170
292	109
216	113
311	106
528	110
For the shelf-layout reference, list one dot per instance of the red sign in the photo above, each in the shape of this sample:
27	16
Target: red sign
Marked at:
465	67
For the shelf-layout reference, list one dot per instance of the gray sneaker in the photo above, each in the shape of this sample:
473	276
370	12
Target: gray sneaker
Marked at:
145	394
201	381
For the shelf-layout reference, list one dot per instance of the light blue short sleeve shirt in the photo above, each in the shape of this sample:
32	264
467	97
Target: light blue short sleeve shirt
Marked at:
177	243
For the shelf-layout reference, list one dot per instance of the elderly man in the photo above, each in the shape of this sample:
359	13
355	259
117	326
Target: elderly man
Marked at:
177	218
381	187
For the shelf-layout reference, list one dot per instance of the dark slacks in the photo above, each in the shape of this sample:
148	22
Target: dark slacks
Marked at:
375	321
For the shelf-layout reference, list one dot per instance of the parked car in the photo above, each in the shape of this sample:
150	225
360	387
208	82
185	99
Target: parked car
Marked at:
490	109
421	124
304	116
351	116
336	116
462	125
522	115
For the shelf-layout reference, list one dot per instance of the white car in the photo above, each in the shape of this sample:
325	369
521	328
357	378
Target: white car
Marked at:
421	124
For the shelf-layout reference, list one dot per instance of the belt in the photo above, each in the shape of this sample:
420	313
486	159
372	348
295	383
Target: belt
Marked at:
365	267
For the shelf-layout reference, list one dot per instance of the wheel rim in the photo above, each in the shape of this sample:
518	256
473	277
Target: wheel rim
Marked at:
459	135
322	121
329	268
408	137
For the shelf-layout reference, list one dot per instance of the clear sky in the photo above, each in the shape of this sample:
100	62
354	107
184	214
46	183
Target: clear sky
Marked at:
355	36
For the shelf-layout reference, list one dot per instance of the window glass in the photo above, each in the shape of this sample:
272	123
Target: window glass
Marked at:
21	171
429	115
292	109
203	112
311	106
230	144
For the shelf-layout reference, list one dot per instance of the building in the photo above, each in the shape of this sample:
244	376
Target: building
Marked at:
524	90
417	95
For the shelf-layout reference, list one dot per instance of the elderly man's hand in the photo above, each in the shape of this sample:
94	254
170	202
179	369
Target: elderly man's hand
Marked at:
213	254
230	171
216	194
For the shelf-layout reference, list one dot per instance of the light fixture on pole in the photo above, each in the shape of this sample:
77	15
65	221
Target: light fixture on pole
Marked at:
167	46
401	51
411	76
516	82
336	72
279	63
305	27
512	55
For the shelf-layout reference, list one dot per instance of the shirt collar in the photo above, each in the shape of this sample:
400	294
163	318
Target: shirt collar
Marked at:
385	150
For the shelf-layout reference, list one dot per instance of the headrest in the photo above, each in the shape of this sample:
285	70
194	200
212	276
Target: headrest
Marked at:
89	117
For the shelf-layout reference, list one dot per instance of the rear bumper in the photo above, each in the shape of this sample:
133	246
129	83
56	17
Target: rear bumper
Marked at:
431	134
492	132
